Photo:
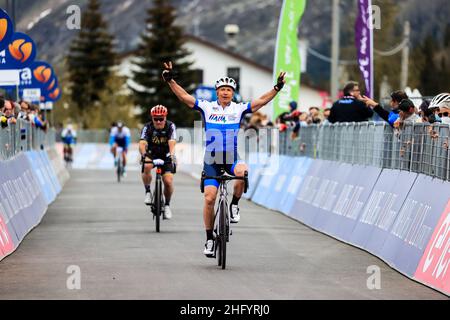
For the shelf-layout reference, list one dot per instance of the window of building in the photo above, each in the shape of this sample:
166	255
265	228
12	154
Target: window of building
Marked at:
235	73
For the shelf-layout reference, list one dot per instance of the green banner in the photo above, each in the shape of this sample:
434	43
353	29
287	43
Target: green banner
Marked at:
287	57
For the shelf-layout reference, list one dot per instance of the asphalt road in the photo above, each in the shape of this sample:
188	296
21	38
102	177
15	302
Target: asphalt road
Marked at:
103	228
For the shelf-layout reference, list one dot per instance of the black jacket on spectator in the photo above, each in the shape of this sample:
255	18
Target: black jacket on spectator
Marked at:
349	109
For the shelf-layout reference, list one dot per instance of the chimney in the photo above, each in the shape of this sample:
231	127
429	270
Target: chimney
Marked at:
231	32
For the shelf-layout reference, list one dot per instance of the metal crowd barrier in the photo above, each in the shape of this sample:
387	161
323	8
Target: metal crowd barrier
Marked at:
21	137
420	148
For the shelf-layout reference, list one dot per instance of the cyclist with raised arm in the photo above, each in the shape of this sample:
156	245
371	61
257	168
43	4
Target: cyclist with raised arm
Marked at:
158	140
120	136
222	123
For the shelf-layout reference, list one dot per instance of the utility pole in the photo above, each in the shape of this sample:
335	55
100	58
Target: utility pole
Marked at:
335	45
405	56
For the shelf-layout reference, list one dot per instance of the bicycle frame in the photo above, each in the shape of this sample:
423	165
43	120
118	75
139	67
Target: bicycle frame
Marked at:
223	198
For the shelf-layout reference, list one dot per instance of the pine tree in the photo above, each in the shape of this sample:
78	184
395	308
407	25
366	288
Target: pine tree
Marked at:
162	41
90	59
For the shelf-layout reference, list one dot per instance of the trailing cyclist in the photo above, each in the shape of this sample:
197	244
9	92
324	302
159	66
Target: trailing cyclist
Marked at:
222	122
69	139
120	136
158	140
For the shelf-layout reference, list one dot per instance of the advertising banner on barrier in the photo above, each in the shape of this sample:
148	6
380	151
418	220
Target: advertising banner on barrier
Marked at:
21	201
415	223
287	182
9	204
434	267
299	166
329	193
50	172
276	187
333	195
268	177
8	237
256	164
381	209
7	223
355	192
302	209
44	177
29	200
6	241
321	191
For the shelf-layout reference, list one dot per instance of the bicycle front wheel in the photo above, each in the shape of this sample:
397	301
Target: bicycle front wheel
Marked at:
223	234
157	202
119	169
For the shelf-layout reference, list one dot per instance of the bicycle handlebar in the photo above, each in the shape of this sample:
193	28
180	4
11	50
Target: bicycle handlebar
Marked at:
222	179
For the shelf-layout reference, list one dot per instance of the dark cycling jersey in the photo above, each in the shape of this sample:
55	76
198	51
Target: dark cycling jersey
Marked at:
158	140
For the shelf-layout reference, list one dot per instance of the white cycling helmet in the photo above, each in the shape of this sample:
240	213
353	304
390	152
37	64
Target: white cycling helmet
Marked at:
226	82
439	100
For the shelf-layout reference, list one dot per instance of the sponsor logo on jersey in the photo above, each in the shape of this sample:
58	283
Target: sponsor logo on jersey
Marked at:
218	118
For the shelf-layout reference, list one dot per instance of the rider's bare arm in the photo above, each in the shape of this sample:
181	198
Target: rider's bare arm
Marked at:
172	139
263	100
181	94
142	147
267	97
172	144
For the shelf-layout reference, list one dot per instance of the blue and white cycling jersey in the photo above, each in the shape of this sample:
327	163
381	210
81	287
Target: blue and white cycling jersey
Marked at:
123	139
222	124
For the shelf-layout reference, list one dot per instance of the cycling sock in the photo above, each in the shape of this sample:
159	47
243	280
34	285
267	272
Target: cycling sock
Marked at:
167	202
147	189
209	235
235	201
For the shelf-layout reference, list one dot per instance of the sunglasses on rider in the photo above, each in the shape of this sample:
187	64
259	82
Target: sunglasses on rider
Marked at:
159	119
443	114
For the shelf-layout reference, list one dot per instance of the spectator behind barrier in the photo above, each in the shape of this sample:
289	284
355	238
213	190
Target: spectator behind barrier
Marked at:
444	112
316	117
392	116
36	119
407	114
25	110
350	108
8	114
428	115
326	115
3	120
303	121
293	106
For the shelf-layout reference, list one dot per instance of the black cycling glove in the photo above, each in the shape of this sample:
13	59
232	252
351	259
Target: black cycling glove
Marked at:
167	75
280	84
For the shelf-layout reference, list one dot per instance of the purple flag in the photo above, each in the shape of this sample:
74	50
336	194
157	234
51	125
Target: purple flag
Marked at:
364	43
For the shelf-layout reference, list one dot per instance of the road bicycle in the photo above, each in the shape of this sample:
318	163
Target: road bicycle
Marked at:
222	228
119	161
157	204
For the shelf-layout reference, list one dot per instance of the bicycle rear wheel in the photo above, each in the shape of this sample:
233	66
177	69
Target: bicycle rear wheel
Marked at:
157	202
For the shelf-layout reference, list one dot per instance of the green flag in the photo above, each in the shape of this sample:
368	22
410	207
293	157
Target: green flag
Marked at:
287	57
